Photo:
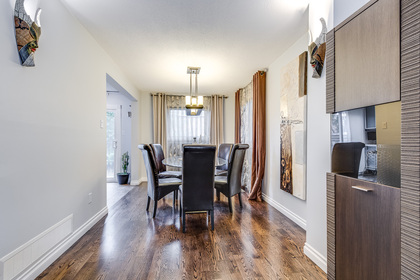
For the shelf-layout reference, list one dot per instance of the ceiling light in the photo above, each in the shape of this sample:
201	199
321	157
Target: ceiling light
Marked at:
193	102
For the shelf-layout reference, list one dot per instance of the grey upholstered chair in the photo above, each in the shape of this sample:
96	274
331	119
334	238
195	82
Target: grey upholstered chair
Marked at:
224	153
157	188
230	185
196	192
159	156
346	158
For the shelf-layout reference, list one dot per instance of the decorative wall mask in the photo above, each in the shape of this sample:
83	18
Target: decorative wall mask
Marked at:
27	33
317	51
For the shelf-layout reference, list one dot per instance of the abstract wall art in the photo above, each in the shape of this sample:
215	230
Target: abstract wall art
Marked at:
27	33
293	127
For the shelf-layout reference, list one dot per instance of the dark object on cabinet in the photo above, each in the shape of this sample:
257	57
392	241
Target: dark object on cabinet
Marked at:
346	158
157	188
197	192
230	185
367	230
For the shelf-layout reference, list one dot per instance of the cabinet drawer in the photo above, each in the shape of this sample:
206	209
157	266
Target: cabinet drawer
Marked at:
367	230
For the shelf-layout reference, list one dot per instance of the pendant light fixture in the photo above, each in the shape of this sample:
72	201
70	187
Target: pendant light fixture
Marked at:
193	102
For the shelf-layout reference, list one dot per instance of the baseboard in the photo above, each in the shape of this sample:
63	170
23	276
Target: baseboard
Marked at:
315	256
143	179
138	182
289	214
36	268
17	261
135	182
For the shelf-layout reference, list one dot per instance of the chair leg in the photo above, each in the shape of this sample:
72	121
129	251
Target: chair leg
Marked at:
180	206
212	219
183	221
173	200
148	203
230	204
240	200
154	209
218	195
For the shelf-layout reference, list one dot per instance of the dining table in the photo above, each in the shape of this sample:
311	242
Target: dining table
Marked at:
176	161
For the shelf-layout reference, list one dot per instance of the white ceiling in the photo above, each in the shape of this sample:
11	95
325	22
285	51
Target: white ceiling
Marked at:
153	41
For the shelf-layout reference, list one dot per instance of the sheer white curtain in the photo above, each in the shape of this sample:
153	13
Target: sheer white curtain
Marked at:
246	132
183	129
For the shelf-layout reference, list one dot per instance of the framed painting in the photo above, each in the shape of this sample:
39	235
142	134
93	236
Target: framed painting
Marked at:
293	100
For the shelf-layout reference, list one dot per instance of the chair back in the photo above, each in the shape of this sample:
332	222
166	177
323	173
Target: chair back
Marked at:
152	174
198	177
236	161
346	158
158	157
224	153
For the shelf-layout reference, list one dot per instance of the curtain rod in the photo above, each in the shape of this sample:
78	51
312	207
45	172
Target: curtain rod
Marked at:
153	94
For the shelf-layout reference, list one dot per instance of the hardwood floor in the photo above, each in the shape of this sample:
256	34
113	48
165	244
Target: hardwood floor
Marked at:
255	242
115	191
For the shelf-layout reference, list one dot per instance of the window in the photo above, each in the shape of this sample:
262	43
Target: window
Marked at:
183	129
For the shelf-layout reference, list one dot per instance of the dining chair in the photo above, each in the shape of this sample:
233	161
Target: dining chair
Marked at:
196	191
224	153
230	185
345	159
157	188
159	156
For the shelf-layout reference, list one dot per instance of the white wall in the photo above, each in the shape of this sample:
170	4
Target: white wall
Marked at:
310	214
319	159
288	204
52	148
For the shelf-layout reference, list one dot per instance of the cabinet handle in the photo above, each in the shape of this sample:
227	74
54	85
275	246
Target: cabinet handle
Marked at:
363	189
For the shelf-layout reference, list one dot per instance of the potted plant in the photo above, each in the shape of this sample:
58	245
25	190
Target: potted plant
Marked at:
123	176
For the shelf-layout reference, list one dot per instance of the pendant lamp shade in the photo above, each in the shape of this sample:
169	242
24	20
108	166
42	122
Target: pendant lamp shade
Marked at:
193	102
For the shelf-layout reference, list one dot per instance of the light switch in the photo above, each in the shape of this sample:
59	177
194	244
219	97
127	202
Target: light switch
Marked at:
385	125
101	124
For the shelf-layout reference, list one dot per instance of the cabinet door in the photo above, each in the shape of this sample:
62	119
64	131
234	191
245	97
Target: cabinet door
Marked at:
367	57
367	230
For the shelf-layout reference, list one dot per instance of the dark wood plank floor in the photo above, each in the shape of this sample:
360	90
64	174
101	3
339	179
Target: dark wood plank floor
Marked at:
255	242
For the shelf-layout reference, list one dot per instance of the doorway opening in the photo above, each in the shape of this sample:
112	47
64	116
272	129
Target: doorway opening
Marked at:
118	137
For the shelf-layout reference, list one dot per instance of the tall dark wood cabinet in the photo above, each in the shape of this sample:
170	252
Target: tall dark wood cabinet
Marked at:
373	57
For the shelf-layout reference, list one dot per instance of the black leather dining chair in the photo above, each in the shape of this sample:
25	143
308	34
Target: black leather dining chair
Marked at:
230	185
196	191
157	188
224	153
345	159
159	156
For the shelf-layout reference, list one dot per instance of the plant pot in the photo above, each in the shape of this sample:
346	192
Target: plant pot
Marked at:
123	178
